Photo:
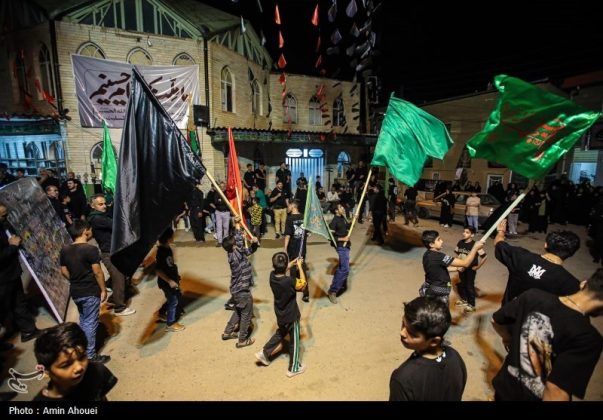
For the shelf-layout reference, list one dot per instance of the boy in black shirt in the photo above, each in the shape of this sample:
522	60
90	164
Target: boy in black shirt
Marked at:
61	350
434	372
340	226
168	280
553	347
437	265
80	264
287	313
466	286
295	242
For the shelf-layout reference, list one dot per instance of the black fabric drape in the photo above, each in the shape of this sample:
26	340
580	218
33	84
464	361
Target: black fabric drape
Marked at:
157	172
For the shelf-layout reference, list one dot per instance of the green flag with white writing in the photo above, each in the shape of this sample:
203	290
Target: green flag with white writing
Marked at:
314	220
109	163
530	128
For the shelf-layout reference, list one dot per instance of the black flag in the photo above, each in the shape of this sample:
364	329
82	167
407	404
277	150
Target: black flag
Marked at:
157	172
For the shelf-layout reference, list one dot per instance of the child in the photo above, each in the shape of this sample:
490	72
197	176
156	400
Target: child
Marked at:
295	241
434	372
168	280
437	264
240	287
466	287
62	352
340	227
287	312
256	217
80	264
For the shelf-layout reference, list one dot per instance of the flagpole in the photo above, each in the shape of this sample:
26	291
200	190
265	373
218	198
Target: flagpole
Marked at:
359	208
232	209
241	213
507	212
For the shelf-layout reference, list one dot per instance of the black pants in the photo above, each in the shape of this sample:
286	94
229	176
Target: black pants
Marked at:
378	219
466	287
14	308
198	226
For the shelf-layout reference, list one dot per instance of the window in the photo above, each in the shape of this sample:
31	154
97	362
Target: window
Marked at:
255	98
46	70
315	113
343	160
21	75
96	156
290	109
338	113
183	59
226	83
90	49
139	56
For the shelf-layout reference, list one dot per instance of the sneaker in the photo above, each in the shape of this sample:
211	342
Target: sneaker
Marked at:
333	297
175	327
277	236
306	299
469	308
460	303
261	358
100	358
229	306
125	312
302	369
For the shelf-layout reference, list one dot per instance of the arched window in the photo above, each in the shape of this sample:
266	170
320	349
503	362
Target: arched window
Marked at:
290	109
46	70
226	83
343	160
139	56
255	98
56	152
183	59
96	156
21	74
315	112
32	151
338	113
90	49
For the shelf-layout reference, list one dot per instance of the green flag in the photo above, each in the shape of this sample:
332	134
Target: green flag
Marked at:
530	129
314	220
109	162
408	136
192	139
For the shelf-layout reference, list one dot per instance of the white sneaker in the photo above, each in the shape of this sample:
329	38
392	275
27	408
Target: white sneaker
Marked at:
125	312
261	358
302	369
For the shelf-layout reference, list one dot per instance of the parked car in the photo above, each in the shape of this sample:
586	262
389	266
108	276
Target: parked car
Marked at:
430	208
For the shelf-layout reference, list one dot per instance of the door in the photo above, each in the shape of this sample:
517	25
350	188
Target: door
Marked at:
309	161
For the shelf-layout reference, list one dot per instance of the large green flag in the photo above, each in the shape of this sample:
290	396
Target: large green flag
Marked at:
314	220
109	162
408	136
530	129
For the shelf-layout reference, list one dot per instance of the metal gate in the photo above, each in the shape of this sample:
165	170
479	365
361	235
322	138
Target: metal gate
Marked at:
309	161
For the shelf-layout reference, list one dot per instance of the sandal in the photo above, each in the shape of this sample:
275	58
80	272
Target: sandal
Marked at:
230	336
245	343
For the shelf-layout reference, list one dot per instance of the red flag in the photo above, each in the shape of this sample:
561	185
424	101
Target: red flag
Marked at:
318	44
318	61
277	16
315	16
282	62
281	40
234	187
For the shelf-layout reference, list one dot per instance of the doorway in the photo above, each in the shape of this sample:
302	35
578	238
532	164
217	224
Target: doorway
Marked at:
309	161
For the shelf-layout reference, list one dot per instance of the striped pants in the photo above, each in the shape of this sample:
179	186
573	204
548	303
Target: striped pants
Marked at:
291	328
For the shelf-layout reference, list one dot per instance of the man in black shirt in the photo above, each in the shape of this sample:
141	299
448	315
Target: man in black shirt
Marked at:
434	372
545	272
78	208
249	177
283	175
279	200
553	348
52	193
410	206
340	226
260	177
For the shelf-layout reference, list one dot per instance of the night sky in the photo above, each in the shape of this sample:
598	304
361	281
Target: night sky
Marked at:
432	50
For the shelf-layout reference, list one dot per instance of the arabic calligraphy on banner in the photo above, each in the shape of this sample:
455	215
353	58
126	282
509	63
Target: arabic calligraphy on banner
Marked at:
103	89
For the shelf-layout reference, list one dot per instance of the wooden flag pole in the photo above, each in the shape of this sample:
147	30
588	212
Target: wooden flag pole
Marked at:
507	211
232	209
359	208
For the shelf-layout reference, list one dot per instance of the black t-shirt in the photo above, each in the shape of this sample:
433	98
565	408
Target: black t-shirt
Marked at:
165	263
411	194
281	202
528	270
220	203
464	248
260	178
340	230
78	258
561	342
435	264
422	379
293	228
98	381
285	304
249	178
